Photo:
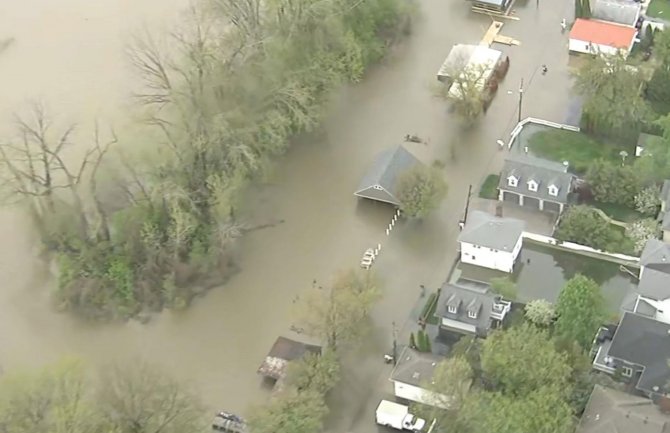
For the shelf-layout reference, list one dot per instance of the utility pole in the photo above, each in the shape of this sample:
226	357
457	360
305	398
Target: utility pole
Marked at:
467	206
520	98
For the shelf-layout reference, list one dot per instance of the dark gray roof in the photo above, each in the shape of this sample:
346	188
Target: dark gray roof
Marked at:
467	296
379	183
654	284
656	254
616	11
646	342
486	230
282	352
415	368
612	411
545	173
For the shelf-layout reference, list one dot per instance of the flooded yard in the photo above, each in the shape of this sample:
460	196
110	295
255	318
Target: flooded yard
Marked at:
542	271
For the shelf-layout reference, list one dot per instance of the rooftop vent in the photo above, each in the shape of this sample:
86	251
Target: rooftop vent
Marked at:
566	164
655	388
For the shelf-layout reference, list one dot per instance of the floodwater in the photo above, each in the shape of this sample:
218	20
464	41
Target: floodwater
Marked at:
542	272
218	343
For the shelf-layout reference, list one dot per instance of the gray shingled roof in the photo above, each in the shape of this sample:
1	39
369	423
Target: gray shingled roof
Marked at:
616	11
656	254
490	231
611	411
665	192
545	173
646	342
415	368
633	303
654	284
467	296
379	183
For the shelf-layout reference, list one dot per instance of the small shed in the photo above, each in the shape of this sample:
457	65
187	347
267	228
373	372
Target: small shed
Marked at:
282	352
379	183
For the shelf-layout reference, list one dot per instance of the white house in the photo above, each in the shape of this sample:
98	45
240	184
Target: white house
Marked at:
412	373
601	37
490	241
652	296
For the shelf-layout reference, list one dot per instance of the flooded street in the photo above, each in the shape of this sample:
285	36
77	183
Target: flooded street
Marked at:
219	342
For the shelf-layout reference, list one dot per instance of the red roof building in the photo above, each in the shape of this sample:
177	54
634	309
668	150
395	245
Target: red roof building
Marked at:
594	36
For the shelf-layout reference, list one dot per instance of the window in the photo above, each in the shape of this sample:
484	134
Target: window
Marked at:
472	314
553	190
626	371
532	185
452	309
512	181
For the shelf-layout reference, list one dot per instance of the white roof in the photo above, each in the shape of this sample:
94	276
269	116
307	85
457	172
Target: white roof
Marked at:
482	57
391	408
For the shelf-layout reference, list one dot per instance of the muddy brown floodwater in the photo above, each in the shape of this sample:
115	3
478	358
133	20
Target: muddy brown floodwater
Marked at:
72	55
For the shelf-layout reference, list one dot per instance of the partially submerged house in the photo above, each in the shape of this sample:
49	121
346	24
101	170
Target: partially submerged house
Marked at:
469	65
612	411
470	308
283	351
651	298
624	12
380	182
535	183
490	241
497	6
637	351
412	373
601	37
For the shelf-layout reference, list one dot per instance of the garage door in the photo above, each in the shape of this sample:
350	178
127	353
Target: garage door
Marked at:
552	207
510	197
531	202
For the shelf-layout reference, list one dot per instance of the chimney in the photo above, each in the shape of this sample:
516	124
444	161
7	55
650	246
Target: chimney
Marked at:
499	210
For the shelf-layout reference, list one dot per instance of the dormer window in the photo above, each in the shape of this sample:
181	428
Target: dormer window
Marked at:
512	181
532	186
452	309
553	190
472	314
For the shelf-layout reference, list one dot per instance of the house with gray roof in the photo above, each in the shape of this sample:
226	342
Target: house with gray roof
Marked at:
612	411
624	12
536	183
380	182
651	297
469	307
638	351
411	375
490	241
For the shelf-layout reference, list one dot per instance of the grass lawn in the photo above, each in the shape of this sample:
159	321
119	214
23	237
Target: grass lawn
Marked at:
489	188
659	9
577	148
618	212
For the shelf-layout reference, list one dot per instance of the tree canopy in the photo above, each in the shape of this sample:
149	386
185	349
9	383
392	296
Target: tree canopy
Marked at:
522	359
420	191
291	411
583	225
613	101
614	183
580	310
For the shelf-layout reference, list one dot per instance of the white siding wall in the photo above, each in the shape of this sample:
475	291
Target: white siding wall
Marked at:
579	46
487	258
419	395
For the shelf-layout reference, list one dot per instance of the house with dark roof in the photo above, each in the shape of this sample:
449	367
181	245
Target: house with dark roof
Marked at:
596	37
612	411
536	183
651	298
470	307
490	241
412	373
624	12
283	351
638	351
380	182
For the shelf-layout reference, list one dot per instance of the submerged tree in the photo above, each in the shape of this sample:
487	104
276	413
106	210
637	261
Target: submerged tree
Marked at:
420	191
339	314
580	310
